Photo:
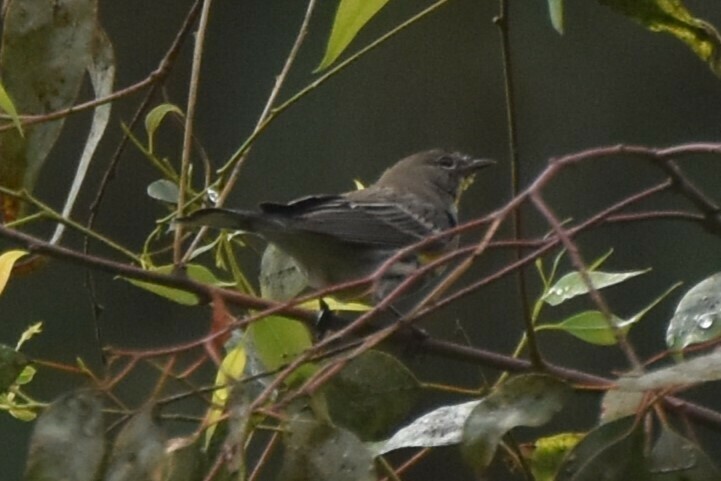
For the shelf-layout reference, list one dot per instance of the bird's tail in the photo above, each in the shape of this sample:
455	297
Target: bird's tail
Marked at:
224	219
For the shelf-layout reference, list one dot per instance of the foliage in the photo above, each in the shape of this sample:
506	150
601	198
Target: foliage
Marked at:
326	385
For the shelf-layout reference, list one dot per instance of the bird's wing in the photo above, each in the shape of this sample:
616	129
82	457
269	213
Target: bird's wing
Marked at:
359	219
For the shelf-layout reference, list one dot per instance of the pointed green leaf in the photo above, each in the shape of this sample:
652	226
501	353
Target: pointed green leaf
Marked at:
555	10
572	284
590	326
351	16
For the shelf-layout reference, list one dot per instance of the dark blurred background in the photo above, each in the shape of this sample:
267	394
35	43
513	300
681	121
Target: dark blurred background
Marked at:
439	83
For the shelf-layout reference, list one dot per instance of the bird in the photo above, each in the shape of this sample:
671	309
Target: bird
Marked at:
344	237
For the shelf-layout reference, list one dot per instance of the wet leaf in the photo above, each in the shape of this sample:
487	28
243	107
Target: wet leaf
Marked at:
572	285
440	427
371	395
350	17
698	315
526	400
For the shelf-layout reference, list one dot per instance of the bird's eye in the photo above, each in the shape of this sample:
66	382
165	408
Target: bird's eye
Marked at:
447	162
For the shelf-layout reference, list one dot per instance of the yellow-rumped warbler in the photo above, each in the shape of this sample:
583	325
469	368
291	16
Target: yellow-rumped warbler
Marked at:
344	237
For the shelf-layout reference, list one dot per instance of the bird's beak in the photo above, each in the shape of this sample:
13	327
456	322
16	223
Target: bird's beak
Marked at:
478	164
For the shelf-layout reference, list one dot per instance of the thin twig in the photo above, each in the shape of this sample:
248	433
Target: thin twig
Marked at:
189	125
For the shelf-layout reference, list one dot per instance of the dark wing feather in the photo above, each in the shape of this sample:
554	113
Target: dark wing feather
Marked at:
356	220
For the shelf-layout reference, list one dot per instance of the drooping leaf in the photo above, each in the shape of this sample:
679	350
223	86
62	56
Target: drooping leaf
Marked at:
614	449
698	315
526	400
315	451
155	118
672	17
572	285
372	393
45	53
350	17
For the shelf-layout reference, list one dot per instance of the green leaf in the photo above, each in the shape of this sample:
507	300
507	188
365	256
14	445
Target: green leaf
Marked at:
590	326
194	271
277	341
155	118
12	364
351	16
371	394
555	10
7	106
231	369
572	284
594	328
526	400
698	315
672	17
7	261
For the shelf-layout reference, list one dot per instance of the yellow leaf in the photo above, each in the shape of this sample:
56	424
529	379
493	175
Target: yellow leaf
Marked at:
7	261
